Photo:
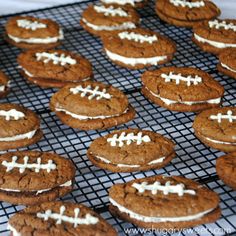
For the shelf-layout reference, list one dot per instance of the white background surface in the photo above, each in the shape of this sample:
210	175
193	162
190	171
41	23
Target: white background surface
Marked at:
228	7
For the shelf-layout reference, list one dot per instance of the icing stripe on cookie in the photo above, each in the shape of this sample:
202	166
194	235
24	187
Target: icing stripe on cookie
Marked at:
111	11
219	117
222	24
12	114
32	25
186	3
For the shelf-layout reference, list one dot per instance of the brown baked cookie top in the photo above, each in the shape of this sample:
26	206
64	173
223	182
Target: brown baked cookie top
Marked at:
60	218
138	43
162	196
132	147
193	10
222	31
90	99
182	84
227	59
4	82
55	64
26	27
101	15
33	170
16	120
217	124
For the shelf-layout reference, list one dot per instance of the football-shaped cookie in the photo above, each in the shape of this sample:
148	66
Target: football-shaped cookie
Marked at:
59	218
182	89
91	105
216	127
163	202
31	177
131	150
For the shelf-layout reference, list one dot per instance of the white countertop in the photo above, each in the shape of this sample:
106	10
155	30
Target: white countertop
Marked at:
228	7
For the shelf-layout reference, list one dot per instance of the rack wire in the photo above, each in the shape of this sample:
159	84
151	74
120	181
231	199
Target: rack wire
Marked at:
194	160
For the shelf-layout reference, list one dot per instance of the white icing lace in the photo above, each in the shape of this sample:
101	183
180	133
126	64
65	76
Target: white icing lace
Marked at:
223	24
28	24
12	114
229	116
186	3
110	11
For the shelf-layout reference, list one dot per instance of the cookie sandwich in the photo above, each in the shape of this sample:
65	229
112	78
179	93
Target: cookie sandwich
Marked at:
102	19
163	202
20	127
186	13
91	105
216	35
131	150
54	68
182	89
138	48
4	85
216	128
28	32
59	218
227	62
32	177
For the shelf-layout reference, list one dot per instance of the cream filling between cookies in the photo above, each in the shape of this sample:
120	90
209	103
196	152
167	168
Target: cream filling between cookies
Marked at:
28	135
123	26
66	184
2	88
189	103
219	142
228	68
159	219
135	61
82	117
213	43
159	160
13	230
38	40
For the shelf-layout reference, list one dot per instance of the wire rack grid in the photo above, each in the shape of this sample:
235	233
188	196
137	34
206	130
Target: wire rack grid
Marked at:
194	160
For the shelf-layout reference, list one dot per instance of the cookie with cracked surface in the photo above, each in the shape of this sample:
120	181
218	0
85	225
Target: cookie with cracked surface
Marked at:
131	150
59	218
28	32
32	177
227	62
186	13
4	85
138	48
162	202
20	127
54	68
182	89
216	128
132	3
216	35
91	105
100	20
226	169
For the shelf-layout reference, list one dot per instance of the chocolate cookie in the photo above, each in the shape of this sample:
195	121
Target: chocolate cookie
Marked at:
186	13
100	19
138	48
132	3
4	85
217	128
226	169
227	62
59	218
91	105
182	89
19	127
30	32
216	35
54	68
131	150
163	202
32	177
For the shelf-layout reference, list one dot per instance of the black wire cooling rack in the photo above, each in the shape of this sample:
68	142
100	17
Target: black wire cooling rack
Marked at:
194	160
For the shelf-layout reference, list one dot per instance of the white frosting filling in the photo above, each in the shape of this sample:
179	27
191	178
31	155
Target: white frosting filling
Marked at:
213	43
219	142
2	88
135	61
158	219
82	117
28	24
123	26
28	135
110	11
159	160
121	2
38	40
228	68
66	184
13	230
186	3
189	103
